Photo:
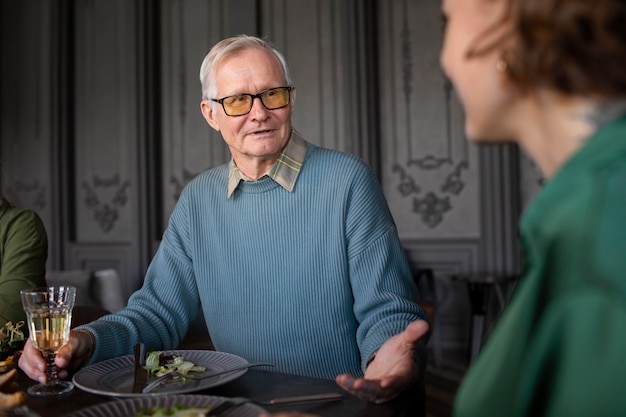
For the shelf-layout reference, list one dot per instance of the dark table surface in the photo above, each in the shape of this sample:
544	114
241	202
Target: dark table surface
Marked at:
259	386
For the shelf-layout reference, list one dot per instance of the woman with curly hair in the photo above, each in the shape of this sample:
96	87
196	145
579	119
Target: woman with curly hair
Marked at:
550	75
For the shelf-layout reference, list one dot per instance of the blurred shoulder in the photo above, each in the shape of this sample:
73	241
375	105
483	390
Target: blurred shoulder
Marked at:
20	217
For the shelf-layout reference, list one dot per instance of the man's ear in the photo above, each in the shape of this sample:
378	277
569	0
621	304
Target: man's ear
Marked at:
207	111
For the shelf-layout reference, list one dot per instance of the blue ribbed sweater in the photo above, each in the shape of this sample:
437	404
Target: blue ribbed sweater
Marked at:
313	281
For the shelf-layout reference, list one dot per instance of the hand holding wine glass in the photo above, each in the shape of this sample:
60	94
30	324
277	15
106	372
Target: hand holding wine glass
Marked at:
49	314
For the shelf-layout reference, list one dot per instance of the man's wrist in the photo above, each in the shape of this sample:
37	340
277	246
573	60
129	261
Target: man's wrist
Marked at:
371	359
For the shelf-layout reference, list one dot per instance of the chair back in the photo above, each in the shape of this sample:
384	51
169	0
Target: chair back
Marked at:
102	288
86	314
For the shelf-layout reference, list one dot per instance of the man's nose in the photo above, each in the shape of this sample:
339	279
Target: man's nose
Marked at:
258	109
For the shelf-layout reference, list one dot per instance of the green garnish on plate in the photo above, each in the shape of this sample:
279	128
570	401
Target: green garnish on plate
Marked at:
179	410
11	339
159	363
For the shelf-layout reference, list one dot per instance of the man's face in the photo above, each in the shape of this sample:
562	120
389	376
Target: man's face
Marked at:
259	137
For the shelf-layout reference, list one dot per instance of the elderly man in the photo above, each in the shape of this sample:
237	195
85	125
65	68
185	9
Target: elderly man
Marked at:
290	250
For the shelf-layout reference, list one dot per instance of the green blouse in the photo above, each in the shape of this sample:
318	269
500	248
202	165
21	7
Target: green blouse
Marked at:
559	349
23	254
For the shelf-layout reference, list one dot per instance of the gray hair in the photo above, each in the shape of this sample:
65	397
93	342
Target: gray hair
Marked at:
227	48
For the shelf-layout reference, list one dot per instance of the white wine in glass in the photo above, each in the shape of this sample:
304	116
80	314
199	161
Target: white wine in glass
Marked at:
49	314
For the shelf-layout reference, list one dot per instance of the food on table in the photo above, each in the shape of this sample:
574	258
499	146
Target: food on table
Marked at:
179	410
10	393
159	363
11	341
9	362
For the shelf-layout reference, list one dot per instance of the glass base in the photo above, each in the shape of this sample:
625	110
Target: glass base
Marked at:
54	388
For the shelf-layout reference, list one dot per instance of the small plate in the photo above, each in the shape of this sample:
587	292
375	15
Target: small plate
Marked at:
128	407
114	377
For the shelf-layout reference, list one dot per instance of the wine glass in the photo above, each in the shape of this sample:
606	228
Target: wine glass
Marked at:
49	314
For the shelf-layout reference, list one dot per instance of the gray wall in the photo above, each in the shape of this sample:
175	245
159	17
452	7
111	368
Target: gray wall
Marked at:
101	125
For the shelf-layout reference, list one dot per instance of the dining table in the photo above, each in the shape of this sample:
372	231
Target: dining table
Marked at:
258	385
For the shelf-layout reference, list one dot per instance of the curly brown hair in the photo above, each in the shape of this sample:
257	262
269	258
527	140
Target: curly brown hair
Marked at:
572	46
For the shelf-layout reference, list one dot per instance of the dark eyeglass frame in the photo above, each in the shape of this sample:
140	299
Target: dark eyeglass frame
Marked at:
252	97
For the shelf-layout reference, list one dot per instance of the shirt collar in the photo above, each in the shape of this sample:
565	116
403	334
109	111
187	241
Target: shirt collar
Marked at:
284	171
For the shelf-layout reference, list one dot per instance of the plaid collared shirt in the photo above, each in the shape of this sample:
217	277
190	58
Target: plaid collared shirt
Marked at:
284	171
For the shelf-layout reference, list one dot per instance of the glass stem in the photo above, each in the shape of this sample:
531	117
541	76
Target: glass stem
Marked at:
51	369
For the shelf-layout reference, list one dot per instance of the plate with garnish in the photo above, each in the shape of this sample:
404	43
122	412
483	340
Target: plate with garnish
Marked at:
166	405
115	377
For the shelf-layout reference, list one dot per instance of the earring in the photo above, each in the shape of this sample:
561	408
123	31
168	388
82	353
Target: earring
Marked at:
501	65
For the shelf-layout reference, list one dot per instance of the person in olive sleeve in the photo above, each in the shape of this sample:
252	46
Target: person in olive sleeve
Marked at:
23	255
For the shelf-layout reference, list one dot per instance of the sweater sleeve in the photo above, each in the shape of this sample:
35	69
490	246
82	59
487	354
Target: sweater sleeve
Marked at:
159	313
385	297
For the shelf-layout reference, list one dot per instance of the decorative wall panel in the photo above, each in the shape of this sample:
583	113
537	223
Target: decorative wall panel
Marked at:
98	257
107	138
26	102
106	118
454	202
320	41
430	171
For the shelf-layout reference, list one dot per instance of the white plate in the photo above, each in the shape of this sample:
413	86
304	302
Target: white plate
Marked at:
114	377
128	407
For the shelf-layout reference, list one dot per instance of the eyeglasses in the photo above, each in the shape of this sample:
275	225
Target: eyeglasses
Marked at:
240	104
